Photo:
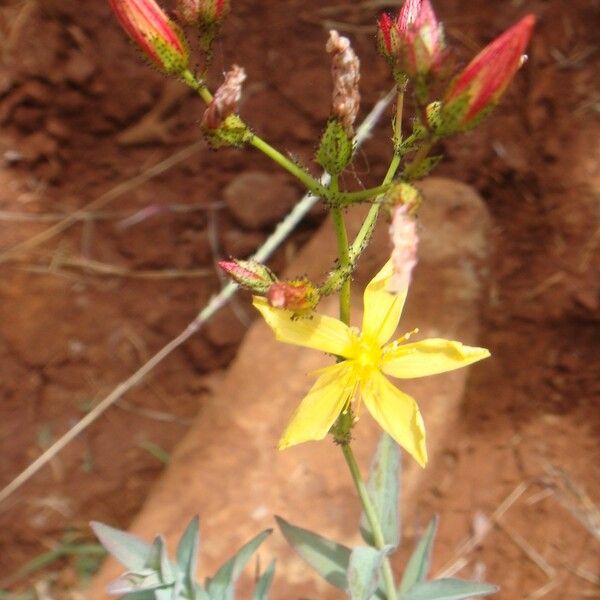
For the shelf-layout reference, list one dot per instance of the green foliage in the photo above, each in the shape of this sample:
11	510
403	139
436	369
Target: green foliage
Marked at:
327	558
363	571
152	576
418	565
448	589
384	490
358	571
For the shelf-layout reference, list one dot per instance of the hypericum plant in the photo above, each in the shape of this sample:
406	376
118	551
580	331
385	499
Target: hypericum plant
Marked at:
364	359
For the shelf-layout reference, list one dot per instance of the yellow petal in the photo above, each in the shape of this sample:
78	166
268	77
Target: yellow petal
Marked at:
382	309
428	357
397	414
318	331
321	406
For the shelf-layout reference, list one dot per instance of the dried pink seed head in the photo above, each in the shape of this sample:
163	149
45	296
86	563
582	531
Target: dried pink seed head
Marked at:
403	233
345	71
226	99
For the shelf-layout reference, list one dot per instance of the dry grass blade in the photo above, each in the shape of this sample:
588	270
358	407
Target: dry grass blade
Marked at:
95	267
100	201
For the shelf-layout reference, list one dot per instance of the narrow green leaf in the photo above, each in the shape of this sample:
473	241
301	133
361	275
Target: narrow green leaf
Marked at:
128	549
187	553
263	585
329	559
222	585
363	572
420	560
448	589
384	491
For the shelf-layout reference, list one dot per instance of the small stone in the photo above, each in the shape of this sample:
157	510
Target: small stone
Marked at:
257	199
79	69
241	244
39	145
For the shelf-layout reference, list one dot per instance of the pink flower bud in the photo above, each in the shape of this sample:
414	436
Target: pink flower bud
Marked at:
159	38
249	274
226	99
414	42
297	296
345	72
478	88
202	12
403	233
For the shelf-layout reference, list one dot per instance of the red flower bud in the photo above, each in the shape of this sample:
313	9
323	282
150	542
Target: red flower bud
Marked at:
414	42
297	296
202	12
478	88
159	38
249	274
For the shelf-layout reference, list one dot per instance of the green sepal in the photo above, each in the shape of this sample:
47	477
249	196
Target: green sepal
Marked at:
420	560
327	558
336	148
384	491
404	193
448	589
233	132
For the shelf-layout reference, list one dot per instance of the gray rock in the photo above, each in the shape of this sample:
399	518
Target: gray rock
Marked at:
257	199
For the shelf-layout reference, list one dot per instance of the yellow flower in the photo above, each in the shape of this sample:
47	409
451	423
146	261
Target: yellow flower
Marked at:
368	356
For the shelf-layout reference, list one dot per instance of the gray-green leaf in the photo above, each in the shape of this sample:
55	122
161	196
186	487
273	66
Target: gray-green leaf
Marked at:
363	572
419	562
263	585
128	549
222	585
384	491
448	589
187	553
328	558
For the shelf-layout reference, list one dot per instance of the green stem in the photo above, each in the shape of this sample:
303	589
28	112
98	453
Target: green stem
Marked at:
371	514
341	236
190	79
346	198
308	180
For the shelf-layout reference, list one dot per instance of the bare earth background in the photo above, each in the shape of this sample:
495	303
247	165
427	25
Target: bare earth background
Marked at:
80	113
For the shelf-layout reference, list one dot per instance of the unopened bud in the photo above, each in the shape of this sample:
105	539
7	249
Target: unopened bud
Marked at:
226	99
345	71
202	12
413	43
159	38
475	91
403	233
249	274
298	296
